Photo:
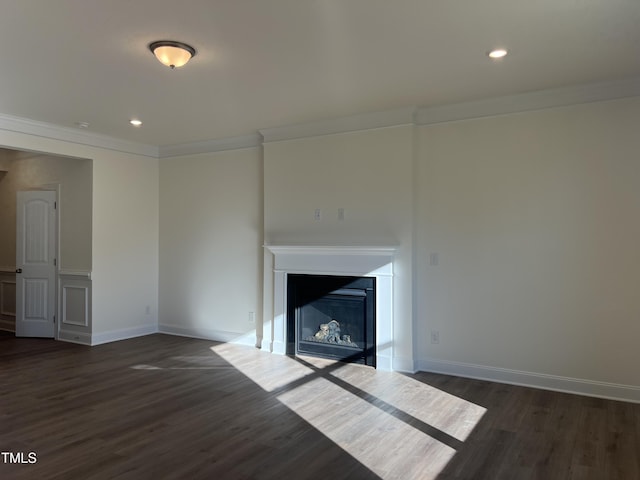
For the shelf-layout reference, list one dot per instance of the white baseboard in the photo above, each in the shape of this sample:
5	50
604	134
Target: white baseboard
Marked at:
279	348
612	391
123	334
74	337
266	345
400	364
384	363
248	338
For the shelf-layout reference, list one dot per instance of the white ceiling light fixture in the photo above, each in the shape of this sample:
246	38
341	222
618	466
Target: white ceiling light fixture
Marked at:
497	53
135	122
172	54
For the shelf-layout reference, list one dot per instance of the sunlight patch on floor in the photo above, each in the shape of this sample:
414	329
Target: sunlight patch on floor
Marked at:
351	422
417	428
450	414
182	362
263	368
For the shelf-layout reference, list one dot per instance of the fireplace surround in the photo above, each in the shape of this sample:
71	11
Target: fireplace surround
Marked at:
374	262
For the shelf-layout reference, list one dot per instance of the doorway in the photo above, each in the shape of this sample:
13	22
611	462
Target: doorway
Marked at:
72	180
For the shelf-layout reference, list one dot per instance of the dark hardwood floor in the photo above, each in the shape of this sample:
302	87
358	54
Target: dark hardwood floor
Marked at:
163	407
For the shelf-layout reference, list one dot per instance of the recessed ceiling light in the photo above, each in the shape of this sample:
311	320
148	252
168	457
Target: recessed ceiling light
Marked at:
497	53
135	122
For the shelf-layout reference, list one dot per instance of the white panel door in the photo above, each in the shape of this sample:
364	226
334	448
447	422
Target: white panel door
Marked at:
35	264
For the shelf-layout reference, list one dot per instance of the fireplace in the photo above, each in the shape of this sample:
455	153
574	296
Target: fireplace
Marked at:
284	261
332	316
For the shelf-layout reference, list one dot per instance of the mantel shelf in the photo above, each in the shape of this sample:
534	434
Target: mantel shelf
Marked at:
384	250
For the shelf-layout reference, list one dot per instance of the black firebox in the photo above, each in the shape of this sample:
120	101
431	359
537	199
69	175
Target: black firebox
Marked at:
332	317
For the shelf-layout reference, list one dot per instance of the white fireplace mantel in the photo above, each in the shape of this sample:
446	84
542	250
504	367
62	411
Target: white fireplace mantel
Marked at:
351	260
331	250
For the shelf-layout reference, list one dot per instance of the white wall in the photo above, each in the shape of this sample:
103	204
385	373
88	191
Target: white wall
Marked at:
7	246
211	245
369	174
125	245
7	211
5	159
536	220
124	234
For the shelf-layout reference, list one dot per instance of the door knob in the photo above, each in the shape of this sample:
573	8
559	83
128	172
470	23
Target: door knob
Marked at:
18	270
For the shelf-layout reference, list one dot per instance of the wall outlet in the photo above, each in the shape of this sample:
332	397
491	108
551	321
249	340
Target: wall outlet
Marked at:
341	214
251	317
435	337
317	214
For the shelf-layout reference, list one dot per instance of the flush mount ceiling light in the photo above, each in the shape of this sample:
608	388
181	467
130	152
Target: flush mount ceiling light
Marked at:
135	122
172	54
497	53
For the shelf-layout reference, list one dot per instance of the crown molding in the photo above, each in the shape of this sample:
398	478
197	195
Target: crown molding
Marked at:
352	123
538	100
56	132
211	146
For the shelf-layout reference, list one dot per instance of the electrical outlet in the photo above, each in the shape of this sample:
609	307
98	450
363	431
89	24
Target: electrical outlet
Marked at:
317	214
341	214
435	337
252	317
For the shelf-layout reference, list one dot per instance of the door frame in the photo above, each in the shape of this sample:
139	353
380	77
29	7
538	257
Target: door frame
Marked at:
56	187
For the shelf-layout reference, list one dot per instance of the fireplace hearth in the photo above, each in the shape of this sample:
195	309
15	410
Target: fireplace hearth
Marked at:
332	317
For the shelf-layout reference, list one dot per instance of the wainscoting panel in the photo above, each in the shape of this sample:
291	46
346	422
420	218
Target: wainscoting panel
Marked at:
7	299
74	303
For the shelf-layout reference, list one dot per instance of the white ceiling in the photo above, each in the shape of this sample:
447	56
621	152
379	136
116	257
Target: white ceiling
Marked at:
268	63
